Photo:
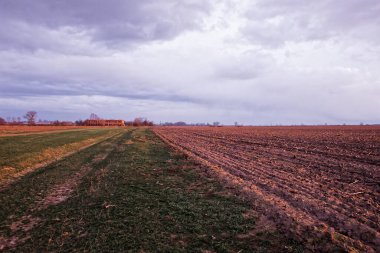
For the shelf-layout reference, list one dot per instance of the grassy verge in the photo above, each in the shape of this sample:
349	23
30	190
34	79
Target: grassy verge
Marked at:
6	130
142	197
18	153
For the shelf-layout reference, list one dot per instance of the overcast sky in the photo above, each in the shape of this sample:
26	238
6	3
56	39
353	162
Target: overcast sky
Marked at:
251	61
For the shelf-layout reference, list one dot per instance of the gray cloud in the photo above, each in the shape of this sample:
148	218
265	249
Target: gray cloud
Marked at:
34	25
256	62
248	65
271	23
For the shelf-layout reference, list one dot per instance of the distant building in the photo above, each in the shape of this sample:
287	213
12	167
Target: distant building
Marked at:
103	122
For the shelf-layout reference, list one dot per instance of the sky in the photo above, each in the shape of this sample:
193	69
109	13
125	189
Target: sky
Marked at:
258	62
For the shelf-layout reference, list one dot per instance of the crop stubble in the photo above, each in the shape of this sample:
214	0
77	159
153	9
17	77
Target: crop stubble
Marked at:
312	181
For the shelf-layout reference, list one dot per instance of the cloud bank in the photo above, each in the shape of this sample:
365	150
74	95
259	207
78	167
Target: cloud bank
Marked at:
255	62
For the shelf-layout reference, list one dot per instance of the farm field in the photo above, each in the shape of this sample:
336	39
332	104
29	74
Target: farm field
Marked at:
313	182
9	130
128	191
23	153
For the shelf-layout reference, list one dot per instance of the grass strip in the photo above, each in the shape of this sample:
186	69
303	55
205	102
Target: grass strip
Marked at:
20	154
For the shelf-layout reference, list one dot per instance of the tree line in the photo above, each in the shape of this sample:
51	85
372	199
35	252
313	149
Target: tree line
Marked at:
182	123
31	120
30	116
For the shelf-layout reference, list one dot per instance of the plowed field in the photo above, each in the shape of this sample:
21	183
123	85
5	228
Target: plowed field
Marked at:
314	182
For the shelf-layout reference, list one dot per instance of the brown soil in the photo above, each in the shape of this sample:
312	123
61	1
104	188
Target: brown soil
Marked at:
62	192
10	242
314	182
26	223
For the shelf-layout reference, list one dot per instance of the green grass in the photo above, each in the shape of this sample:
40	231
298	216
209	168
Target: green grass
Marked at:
142	197
18	153
15	149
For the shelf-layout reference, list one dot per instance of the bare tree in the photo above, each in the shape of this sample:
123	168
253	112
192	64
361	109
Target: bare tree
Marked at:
93	116
141	122
2	121
79	122
138	121
31	117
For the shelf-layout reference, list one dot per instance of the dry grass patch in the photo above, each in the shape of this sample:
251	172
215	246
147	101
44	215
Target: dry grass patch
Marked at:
35	159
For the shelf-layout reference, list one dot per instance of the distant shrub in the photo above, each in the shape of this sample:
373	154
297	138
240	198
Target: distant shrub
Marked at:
2	121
